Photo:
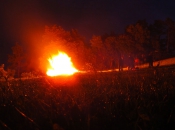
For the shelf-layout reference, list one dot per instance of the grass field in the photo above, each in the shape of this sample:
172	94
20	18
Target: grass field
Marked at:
140	100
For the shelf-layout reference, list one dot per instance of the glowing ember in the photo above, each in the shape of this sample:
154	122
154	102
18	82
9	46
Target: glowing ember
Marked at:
61	65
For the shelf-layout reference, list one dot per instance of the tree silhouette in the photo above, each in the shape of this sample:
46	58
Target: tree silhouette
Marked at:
170	31
140	35
108	49
56	39
157	37
98	53
6	74
16	59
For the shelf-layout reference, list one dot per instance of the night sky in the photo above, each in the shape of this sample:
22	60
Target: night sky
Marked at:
24	20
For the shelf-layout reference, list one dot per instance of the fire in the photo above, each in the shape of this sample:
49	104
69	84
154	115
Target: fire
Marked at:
61	65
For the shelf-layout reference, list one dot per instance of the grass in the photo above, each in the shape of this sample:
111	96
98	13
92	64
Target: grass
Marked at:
139	100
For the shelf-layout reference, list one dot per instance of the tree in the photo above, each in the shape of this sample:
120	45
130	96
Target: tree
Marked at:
113	52
3	73
108	49
98	53
170	31
6	74
157	37
16	59
162	37
141	36
77	48
56	39
125	44
119	47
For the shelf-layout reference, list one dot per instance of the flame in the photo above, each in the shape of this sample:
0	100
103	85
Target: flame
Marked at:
61	65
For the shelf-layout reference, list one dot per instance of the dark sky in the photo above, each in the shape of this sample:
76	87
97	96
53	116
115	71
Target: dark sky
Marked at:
24	20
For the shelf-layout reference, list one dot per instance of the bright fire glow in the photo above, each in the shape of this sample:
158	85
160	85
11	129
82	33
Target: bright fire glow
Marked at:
61	65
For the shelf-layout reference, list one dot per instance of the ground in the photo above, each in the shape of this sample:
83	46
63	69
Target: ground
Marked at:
138	99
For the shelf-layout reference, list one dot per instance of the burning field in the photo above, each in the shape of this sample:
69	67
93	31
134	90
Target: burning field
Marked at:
142	99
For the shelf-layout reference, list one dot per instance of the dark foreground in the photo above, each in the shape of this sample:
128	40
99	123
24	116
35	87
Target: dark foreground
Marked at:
139	100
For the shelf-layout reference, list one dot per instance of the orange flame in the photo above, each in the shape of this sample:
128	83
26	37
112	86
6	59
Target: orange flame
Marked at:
61	65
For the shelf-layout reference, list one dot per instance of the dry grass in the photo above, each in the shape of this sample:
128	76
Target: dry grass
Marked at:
142	99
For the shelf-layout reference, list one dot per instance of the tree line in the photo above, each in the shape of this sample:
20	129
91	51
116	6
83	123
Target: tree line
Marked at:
138	40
